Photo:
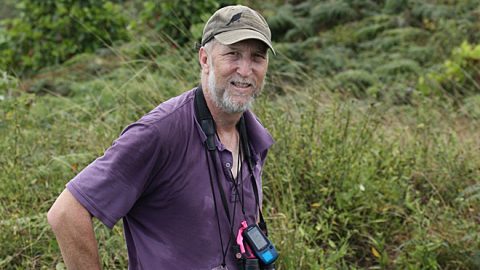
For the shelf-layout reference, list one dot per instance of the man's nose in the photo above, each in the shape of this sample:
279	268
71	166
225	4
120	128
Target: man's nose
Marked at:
244	68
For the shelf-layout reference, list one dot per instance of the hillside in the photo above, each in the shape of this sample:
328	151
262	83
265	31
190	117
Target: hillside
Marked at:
374	106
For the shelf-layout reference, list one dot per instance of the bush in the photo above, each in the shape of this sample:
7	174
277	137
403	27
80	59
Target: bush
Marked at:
181	20
332	13
51	31
395	6
369	32
399	67
355	81
422	10
331	60
459	76
285	24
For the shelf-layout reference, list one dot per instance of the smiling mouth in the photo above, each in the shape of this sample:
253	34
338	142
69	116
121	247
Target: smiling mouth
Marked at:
241	84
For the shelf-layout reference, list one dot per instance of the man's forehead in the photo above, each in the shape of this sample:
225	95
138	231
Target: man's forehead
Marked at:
256	45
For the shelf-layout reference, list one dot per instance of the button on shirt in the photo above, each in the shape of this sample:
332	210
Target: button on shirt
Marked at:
155	177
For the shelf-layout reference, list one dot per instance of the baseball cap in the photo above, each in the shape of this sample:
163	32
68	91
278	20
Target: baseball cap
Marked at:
232	24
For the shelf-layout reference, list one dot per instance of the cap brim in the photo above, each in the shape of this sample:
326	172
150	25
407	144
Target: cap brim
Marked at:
230	37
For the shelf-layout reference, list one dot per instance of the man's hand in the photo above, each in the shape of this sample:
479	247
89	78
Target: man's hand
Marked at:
73	228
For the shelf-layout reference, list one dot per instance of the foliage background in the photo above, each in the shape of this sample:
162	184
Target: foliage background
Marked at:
374	105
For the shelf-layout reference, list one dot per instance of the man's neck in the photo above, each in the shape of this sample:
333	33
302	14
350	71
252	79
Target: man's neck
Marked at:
226	129
225	122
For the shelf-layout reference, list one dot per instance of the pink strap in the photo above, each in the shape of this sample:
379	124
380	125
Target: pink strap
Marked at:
243	250
240	236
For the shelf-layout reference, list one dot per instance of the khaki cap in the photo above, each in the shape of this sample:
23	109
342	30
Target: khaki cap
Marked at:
232	24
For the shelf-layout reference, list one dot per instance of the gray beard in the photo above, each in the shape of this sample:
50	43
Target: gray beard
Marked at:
223	100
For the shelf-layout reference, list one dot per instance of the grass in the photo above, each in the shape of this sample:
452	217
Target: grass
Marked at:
364	186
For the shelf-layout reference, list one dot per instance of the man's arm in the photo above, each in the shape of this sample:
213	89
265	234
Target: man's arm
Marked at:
73	228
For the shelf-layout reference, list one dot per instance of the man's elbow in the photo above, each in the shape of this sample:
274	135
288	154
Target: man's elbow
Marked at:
66	211
55	216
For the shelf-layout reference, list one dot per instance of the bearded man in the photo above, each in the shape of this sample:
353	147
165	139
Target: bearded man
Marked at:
185	177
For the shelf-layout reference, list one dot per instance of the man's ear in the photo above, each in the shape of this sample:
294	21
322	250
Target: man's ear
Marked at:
203	60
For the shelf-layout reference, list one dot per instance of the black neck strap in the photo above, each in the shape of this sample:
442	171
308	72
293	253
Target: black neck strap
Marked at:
250	162
208	126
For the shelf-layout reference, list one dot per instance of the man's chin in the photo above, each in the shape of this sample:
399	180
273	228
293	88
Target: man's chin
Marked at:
237	107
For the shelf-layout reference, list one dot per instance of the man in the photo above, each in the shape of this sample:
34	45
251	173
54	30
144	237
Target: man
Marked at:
159	176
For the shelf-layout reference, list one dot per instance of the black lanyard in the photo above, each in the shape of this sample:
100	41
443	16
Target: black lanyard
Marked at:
208	126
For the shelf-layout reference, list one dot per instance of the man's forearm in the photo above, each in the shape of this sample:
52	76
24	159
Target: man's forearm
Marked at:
73	228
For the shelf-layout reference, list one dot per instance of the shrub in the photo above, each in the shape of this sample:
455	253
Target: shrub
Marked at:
459	75
395	6
329	14
407	34
355	81
422	10
420	54
369	32
281	22
285	24
399	67
331	59
181	20
51	31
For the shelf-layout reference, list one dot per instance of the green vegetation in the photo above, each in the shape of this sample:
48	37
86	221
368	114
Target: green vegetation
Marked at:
374	105
181	20
49	32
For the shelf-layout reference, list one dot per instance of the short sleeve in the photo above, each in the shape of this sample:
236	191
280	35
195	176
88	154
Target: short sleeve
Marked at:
110	186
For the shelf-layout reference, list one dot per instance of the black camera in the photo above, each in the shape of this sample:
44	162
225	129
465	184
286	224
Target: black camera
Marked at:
254	264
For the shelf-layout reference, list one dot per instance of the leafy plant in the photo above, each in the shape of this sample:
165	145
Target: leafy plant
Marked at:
355	81
399	67
458	76
286	24
50	32
182	21
328	14
395	6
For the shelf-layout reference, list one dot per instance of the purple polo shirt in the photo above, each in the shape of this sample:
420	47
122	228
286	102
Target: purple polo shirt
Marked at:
155	176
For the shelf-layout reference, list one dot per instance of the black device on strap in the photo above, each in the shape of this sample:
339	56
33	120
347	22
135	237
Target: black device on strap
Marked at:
208	126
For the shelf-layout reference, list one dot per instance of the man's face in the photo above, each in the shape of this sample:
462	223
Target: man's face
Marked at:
236	74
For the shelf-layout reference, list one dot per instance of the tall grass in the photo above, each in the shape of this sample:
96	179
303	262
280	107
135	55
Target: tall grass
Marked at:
353	185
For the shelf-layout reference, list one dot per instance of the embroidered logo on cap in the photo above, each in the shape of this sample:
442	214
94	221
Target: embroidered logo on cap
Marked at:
234	18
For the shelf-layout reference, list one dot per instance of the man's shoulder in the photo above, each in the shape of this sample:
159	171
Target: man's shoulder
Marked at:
259	137
168	119
175	110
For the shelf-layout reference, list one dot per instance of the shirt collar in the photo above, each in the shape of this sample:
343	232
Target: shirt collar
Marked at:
258	136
